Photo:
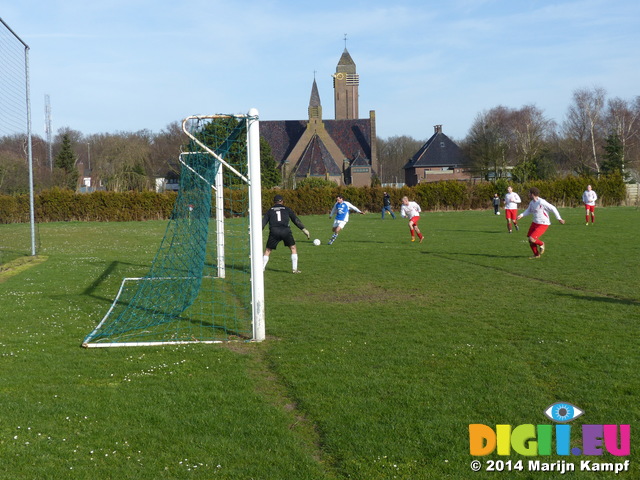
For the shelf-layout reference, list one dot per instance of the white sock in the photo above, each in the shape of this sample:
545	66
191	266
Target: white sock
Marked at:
265	259
294	261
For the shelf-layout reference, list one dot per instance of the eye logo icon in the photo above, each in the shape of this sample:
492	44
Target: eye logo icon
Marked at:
563	412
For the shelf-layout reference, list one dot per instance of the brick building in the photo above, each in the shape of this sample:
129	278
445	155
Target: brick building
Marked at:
438	159
342	150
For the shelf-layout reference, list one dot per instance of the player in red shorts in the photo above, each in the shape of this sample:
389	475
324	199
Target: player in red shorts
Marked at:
511	201
589	198
411	210
539	208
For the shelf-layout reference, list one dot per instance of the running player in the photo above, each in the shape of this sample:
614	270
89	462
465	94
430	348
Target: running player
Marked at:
411	210
511	201
539	208
341	211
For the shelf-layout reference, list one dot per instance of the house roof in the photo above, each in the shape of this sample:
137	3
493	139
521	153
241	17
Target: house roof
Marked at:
438	151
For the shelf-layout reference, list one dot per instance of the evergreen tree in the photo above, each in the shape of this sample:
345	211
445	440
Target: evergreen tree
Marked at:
269	171
66	158
614	155
65	163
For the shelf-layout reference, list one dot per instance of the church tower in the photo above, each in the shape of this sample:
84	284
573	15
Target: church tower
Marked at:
345	87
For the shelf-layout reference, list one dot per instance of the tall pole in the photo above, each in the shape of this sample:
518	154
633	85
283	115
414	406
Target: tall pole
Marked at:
29	146
255	226
32	216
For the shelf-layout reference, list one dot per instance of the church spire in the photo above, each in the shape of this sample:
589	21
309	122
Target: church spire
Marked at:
315	107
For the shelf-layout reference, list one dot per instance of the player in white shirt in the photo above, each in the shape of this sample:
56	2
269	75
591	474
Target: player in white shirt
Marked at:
341	211
589	198
411	210
511	201
539	208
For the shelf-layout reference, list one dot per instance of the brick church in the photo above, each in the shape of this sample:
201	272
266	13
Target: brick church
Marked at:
342	150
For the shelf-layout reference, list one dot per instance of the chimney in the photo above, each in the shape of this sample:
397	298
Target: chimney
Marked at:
437	129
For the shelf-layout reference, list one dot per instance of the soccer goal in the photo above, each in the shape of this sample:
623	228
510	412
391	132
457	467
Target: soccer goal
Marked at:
205	284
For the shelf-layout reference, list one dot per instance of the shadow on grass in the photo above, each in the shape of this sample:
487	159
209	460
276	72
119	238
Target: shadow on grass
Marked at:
490	232
155	312
600	298
466	254
112	267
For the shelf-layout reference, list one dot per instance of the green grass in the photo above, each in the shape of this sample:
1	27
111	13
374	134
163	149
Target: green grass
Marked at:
378	356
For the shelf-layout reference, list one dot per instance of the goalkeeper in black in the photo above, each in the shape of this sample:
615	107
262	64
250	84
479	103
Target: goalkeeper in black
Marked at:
278	218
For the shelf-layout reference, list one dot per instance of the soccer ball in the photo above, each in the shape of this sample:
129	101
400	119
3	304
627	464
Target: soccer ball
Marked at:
317	242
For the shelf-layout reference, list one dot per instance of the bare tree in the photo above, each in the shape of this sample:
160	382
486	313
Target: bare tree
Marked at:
121	161
531	132
583	129
393	154
623	120
165	149
489	142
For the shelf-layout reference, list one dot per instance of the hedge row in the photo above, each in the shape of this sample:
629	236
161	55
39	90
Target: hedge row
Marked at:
58	205
451	195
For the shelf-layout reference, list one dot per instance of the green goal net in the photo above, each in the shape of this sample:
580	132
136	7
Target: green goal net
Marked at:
205	283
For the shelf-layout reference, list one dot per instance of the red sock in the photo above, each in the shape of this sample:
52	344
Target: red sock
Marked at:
534	249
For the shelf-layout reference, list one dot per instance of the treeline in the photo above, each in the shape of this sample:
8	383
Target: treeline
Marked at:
59	205
598	135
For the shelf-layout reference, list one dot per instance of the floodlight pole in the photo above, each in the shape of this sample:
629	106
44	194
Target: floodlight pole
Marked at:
255	226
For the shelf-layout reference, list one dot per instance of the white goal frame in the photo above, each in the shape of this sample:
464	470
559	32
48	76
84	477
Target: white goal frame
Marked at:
253	181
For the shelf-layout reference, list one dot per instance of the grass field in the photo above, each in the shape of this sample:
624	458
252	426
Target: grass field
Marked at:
378	356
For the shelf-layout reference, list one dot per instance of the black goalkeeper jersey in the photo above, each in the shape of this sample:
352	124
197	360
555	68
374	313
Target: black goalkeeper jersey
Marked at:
279	216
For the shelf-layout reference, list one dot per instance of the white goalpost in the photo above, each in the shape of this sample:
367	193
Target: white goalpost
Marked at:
206	282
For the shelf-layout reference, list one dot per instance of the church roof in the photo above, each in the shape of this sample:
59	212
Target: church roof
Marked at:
353	137
438	151
316	160
360	161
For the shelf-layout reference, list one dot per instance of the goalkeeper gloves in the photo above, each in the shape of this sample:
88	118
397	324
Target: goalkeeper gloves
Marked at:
306	232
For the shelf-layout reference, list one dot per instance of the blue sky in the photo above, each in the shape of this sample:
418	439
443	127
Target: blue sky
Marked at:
115	66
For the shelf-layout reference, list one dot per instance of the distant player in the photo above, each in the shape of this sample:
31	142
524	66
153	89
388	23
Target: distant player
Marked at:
511	201
386	205
539	208
278	218
341	211
411	210
496	204
589	198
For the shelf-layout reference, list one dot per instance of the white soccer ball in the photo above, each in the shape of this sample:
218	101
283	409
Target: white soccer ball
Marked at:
317	242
